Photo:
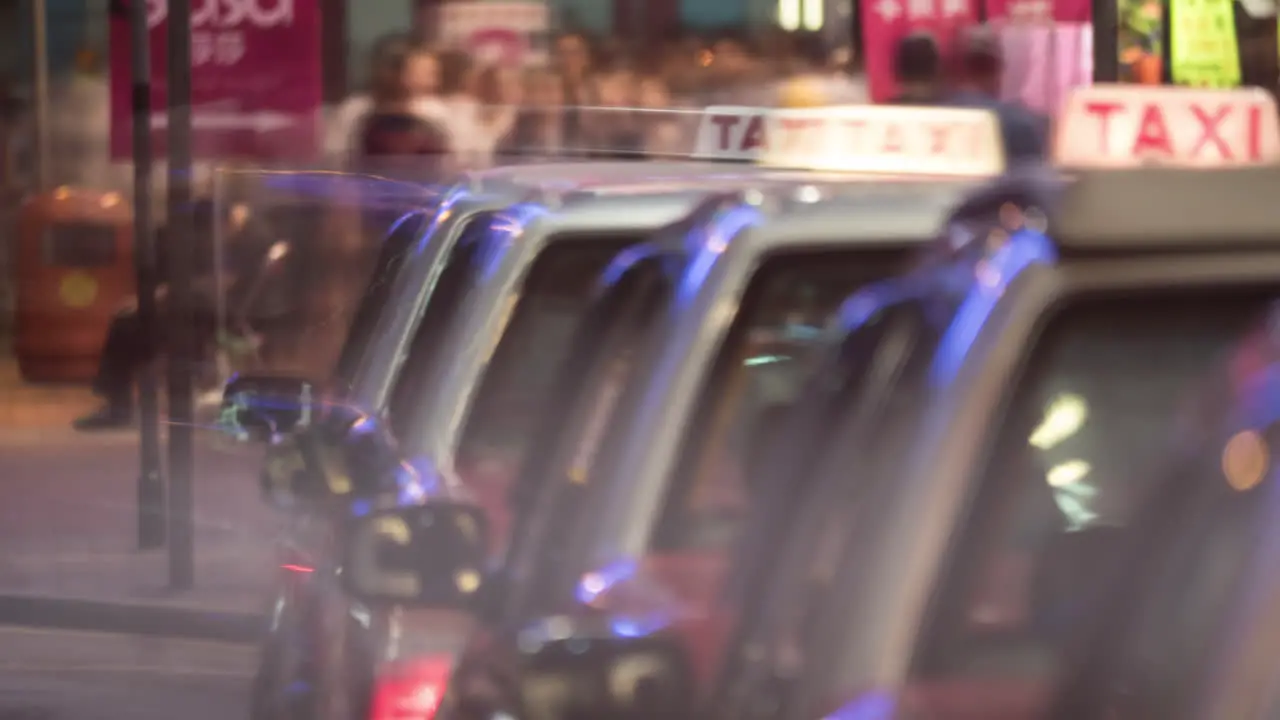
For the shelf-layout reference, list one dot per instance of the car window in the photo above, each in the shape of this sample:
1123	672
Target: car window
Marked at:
849	419
759	369
1188	558
562	472
427	348
1071	465
397	245
514	393
511	397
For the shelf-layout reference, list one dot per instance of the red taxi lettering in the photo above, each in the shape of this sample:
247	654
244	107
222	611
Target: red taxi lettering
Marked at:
939	136
801	134
893	141
726	123
856	131
1255	132
1153	134
1213	129
1103	111
1209	130
754	137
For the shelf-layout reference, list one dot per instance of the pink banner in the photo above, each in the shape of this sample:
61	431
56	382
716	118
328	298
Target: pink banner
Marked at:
1046	61
255	79
885	22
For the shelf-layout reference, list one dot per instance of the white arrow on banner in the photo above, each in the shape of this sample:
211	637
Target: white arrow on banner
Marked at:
262	122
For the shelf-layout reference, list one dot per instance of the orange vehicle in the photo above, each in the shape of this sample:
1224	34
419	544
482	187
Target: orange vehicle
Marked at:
73	264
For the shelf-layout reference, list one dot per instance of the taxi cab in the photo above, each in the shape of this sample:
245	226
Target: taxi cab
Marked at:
710	346
516	279
434	260
1189	273
963	535
506	407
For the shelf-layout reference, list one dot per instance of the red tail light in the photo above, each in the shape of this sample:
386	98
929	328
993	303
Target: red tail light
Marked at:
410	689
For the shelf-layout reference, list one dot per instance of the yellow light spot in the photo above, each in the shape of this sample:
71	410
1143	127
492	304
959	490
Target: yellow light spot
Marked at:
468	581
1245	460
109	200
467	526
394	528
62	193
78	290
1067	473
1011	217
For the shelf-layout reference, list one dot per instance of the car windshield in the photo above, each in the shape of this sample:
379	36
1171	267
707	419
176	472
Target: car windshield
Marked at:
592	391
874	380
428	348
515	392
758	372
1191	553
1087	421
391	254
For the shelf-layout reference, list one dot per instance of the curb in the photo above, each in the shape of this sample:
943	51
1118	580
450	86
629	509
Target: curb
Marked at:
131	618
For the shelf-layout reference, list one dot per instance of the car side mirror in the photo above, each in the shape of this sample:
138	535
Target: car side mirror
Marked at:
264	408
426	555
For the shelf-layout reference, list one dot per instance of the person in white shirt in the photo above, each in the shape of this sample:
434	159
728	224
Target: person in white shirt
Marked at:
817	79
397	60
475	127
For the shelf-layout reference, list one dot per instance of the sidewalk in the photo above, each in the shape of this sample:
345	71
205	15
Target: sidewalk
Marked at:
68	528
36	407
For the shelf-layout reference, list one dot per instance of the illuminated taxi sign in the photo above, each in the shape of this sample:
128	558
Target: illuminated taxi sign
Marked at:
857	138
1108	126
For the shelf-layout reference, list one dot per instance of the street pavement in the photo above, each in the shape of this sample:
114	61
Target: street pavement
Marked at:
68	529
75	675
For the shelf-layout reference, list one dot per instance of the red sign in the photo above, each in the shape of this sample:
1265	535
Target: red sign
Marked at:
255	78
885	22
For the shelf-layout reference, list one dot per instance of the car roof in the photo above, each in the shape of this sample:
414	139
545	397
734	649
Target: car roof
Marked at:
1154	209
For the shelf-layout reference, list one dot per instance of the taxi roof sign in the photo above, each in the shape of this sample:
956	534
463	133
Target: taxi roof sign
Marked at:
1114	126
857	138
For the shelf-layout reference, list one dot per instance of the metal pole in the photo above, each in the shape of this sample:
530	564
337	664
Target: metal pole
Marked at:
1106	40
151	515
1166	42
181	317
40	91
220	204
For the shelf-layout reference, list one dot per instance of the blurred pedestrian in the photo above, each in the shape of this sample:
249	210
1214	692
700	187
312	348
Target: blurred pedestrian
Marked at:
475	131
813	69
981	74
397	63
917	69
614	128
128	345
406	120
537	133
735	76
660	124
572	58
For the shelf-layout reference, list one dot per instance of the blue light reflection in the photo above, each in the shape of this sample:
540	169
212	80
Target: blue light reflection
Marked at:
991	276
714	238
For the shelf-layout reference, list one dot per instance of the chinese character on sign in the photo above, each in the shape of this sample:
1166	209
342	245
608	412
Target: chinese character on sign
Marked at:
201	48
921	9
229	48
955	8
888	10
